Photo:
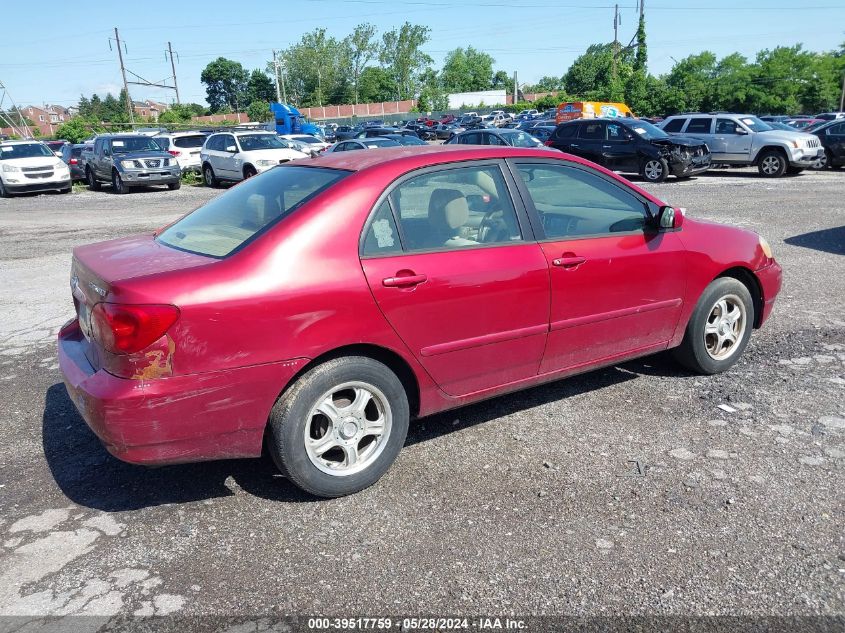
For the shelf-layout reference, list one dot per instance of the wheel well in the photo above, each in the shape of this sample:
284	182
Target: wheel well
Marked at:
392	360
207	164
769	148
749	279
248	166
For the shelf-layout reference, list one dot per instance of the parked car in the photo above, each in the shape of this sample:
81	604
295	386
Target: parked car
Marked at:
128	161
541	132
830	116
235	156
31	167
406	139
803	123
832	137
494	136
743	139
775	118
527	115
184	147
421	130
343	132
374	123
362	143
448	118
370	132
56	146
71	156
447	130
308	142
632	146
292	313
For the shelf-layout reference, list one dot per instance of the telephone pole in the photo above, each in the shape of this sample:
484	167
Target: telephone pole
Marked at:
125	84
615	40
276	76
842	98
173	68
515	88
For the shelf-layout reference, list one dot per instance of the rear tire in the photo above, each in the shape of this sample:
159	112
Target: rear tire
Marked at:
209	177
772	164
654	169
341	451
719	328
93	183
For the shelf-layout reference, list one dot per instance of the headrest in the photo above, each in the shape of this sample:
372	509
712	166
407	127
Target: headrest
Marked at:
448	208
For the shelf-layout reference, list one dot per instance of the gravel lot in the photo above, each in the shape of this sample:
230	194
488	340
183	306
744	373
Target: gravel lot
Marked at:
623	491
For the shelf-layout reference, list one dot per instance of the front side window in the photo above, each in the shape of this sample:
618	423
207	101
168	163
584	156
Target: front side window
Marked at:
456	208
699	126
236	216
616	132
726	126
574	203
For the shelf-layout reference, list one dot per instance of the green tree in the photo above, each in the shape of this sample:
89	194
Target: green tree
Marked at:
360	48
78	129
226	84
467	70
690	82
432	97
313	70
259	111
402	56
375	85
501	80
591	75
260	87
641	58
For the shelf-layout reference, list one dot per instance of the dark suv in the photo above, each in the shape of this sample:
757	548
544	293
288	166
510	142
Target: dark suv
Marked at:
130	160
832	137
632	146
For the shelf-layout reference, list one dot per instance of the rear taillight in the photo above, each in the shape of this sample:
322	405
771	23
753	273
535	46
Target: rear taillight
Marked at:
125	328
548	143
174	152
73	161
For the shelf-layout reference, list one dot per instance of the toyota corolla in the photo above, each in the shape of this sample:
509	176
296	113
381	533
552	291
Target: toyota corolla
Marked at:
320	306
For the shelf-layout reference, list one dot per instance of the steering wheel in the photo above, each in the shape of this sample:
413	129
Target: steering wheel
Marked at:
494	228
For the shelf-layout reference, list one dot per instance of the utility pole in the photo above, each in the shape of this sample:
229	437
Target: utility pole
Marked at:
615	40
842	98
276	76
282	78
515	88
125	84
173	68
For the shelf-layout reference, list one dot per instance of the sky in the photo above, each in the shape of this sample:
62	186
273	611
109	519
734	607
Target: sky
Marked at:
55	56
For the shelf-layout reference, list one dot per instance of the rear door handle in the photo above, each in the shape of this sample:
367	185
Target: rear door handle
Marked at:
570	261
573	145
403	281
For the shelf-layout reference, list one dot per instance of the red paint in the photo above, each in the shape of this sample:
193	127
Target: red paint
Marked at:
469	324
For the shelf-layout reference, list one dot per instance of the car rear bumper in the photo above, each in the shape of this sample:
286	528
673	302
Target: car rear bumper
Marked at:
217	415
771	279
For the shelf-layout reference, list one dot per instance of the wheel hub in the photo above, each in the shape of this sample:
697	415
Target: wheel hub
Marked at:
348	429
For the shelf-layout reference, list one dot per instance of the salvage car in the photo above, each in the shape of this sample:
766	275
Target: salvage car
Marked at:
318	307
493	136
236	156
832	137
353	144
632	146
31	167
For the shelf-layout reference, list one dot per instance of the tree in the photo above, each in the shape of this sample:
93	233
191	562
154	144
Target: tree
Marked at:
433	97
375	85
501	80
591	75
360	49
314	70
467	70
260	87
78	129
259	111
641	58
225	84
402	56
547	84
690	81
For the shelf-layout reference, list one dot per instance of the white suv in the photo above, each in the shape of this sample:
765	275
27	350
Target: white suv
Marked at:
30	166
240	155
184	146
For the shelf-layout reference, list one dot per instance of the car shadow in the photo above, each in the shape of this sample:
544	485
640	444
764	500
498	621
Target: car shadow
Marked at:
89	476
826	240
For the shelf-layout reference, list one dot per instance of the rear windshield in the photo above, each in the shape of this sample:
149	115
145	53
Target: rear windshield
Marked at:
232	219
189	141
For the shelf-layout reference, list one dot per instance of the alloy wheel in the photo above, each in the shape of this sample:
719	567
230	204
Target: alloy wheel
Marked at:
771	165
653	170
725	327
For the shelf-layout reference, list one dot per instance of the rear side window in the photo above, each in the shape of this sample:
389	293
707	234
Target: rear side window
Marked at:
565	131
699	126
235	217
675	125
189	141
592	131
382	237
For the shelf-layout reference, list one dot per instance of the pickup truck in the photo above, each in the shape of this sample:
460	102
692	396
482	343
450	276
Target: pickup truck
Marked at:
130	160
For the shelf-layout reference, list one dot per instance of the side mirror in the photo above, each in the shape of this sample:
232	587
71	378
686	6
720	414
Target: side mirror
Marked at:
741	131
670	218
106	151
232	149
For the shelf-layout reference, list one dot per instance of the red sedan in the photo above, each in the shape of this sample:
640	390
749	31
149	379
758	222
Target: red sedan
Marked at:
321	305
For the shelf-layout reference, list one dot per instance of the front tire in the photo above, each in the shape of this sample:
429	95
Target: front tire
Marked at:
772	164
117	184
173	186
249	172
4	193
340	426
654	169
719	328
822	162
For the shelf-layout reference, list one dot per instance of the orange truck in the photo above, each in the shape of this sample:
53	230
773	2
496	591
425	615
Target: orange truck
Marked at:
591	110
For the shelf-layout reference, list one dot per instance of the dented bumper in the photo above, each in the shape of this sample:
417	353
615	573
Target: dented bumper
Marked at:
216	415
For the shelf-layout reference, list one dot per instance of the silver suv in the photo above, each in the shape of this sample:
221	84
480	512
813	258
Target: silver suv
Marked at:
743	139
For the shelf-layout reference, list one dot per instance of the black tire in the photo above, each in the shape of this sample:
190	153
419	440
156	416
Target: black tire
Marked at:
208	176
117	184
4	193
822	163
290	418
772	164
173	186
693	351
654	169
794	171
249	172
67	190
93	183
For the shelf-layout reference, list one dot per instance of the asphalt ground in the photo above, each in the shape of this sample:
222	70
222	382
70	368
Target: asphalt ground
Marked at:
624	491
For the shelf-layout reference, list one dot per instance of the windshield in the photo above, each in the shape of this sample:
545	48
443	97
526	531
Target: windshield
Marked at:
24	150
407	140
521	139
232	219
379	142
126	144
647	131
307	139
250	142
756	125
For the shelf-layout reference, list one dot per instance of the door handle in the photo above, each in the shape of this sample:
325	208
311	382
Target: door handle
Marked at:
606	146
573	145
569	261
403	281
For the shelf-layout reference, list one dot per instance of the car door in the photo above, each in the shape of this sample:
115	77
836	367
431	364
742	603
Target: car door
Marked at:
730	141
214	153
470	299
229	161
834	141
701	128
619	151
591	137
617	284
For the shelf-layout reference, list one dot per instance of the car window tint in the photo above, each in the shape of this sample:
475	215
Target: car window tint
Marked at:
836	130
565	131
493	139
675	125
456	208
592	131
615	132
726	126
382	237
573	202
189	141
699	126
